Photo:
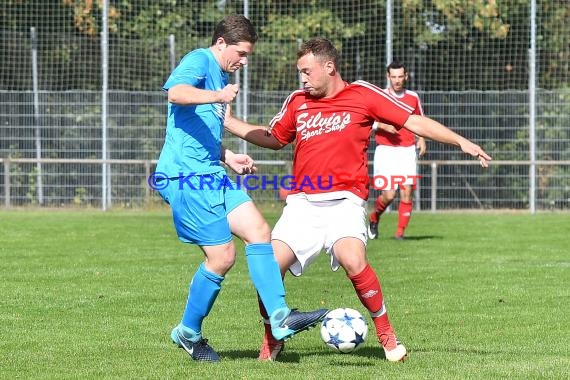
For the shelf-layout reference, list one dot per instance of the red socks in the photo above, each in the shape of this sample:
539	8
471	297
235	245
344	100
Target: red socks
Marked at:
368	289
369	292
404	214
379	208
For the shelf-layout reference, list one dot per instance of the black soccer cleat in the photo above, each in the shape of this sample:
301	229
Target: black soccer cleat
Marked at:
199	351
372	230
296	322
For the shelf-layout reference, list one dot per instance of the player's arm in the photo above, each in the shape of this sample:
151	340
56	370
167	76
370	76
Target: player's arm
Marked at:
420	142
379	126
421	145
426	127
255	134
187	95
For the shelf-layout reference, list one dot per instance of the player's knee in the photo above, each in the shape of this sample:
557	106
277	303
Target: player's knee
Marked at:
265	231
222	261
406	193
353	268
226	262
260	232
388	197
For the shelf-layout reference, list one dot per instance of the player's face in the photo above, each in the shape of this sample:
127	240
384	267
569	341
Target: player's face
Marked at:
397	78
233	57
314	75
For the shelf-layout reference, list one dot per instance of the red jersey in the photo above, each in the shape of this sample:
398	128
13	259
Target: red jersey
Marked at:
403	137
332	136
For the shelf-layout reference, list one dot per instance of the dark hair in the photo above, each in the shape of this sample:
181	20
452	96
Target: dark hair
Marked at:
235	29
322	49
396	65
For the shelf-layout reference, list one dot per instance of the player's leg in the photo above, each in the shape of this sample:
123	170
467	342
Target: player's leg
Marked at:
271	347
380	205
349	250
404	210
351	256
200	218
296	243
203	291
406	157
383	174
249	225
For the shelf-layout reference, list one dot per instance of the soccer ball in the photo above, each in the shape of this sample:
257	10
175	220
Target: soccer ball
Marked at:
344	329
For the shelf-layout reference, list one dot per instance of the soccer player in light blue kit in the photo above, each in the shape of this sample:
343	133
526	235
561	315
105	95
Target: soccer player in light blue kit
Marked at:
207	207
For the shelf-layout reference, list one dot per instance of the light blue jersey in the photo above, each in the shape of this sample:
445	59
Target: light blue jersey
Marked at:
191	179
194	133
199	192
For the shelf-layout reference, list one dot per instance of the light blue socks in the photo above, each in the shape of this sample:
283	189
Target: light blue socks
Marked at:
204	289
266	276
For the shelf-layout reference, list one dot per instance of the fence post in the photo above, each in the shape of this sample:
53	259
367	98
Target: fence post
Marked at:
106	167
147	176
433	186
172	49
532	109
38	134
7	183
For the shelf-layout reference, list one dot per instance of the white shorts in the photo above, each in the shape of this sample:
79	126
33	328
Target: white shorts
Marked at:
309	227
394	165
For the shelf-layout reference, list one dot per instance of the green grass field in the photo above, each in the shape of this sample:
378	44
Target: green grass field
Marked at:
87	294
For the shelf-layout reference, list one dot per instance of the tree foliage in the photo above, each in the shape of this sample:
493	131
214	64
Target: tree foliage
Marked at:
427	34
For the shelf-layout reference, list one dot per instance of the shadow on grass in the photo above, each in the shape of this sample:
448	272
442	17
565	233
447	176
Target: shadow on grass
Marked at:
286	357
348	359
421	237
337	358
370	352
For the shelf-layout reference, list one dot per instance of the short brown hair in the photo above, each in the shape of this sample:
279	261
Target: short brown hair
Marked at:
235	29
396	65
321	48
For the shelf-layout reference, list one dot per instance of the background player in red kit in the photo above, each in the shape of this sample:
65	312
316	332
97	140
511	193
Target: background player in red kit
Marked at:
395	155
330	122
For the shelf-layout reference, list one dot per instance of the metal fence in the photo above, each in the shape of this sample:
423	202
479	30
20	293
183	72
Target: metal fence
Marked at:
70	171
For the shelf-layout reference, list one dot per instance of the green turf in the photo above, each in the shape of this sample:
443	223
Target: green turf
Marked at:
87	294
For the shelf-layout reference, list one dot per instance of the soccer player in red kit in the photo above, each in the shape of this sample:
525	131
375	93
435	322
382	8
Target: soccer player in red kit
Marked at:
395	156
330	122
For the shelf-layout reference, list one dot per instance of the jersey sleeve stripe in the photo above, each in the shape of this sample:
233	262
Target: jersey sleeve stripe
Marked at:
379	91
283	109
418	101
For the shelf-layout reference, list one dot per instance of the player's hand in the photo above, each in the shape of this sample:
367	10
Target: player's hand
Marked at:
228	93
421	146
240	163
386	128
476	151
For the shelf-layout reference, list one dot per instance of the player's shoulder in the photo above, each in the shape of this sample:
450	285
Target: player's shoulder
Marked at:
201	56
412	93
297	96
364	86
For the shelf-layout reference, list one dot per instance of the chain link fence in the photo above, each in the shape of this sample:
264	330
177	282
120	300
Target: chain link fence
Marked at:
82	115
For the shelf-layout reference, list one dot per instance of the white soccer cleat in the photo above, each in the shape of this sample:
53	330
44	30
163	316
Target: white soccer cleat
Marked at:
393	349
397	354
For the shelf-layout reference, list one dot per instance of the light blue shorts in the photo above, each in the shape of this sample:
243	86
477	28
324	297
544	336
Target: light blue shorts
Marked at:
200	205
